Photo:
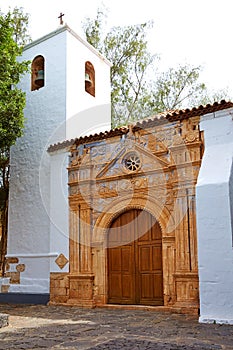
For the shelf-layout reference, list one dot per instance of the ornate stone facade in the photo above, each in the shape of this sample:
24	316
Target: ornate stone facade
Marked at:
153	169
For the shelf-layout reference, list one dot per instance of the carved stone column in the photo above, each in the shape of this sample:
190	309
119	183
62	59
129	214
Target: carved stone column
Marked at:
81	277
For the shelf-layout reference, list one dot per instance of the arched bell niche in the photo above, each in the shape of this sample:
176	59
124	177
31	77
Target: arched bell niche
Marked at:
37	73
89	78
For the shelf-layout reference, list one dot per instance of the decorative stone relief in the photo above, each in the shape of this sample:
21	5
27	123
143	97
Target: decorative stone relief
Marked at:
76	161
74	190
156	143
4	284
177	140
191	136
140	183
125	185
14	277
20	267
153	169
99	153
12	260
107	190
13	270
61	261
7	266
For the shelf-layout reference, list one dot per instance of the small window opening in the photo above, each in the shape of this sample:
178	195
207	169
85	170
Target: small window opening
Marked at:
89	78
37	73
132	161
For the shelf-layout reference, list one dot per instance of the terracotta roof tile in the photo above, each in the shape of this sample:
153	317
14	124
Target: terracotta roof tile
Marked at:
158	119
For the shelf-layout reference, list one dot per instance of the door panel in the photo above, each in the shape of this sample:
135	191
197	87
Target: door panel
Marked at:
144	259
115	285
135	260
156	258
121	275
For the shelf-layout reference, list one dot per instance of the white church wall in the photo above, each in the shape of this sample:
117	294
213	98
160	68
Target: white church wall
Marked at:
86	114
214	219
59	232
38	213
29	221
231	199
33	280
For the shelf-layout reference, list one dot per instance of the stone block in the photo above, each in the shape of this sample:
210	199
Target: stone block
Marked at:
4	320
12	260
5	288
61	291
14	277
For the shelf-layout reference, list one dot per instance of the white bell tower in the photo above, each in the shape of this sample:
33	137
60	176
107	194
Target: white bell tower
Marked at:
67	96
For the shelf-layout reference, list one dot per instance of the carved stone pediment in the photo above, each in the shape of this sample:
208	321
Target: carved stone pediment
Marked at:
132	158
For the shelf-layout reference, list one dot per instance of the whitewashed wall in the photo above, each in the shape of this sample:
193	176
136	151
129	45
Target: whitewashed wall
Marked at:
59	211
29	220
85	113
215	218
38	213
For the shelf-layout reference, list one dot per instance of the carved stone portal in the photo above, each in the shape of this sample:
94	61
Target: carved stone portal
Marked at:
111	184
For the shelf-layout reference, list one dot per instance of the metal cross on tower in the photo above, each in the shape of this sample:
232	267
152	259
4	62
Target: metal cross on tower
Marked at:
61	19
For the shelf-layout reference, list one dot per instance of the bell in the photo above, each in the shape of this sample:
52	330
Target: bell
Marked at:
88	79
39	80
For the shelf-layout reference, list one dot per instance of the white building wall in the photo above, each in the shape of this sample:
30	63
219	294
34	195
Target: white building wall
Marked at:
86	114
59	211
38	211
29	220
214	219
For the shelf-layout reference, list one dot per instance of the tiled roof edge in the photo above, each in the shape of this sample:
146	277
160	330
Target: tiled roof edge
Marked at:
199	111
61	145
159	119
85	139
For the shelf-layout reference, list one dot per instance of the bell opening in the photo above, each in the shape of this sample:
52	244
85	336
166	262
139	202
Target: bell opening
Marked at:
39	80
88	81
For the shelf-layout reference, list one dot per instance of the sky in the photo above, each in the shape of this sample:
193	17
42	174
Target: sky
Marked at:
185	31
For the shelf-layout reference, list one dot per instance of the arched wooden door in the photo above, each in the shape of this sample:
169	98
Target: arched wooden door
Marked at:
135	273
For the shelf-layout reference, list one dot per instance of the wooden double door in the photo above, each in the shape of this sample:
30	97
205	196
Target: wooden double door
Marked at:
135	273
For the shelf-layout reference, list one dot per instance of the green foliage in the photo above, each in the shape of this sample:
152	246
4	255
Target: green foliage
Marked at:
175	88
94	29
12	100
180	88
211	96
126	48
12	103
19	22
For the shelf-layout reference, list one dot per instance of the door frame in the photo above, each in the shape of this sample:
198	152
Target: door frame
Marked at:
135	244
99	239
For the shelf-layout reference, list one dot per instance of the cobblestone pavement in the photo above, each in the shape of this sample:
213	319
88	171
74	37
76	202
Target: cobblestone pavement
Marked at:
58	327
